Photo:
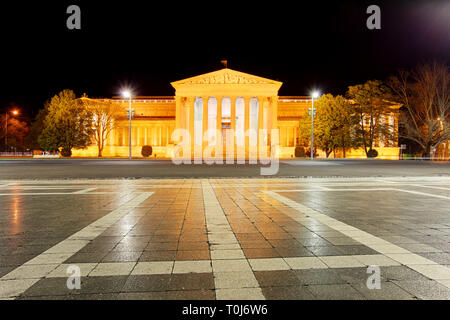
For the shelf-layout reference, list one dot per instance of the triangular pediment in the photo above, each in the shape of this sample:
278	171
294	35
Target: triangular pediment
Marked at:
225	76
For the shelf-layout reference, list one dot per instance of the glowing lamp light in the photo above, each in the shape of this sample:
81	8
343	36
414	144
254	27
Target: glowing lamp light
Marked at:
126	94
315	94
15	112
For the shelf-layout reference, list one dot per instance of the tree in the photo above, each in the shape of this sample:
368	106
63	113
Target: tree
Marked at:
67	125
105	115
332	125
424	93
17	131
371	104
32	140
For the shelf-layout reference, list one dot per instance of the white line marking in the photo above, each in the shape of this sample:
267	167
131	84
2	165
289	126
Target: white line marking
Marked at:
60	193
229	263
423	193
363	189
201	266
431	187
84	191
23	277
384	247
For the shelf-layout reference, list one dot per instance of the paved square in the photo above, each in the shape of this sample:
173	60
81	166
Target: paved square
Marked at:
279	238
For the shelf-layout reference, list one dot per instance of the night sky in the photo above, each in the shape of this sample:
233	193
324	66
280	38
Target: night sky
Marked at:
148	44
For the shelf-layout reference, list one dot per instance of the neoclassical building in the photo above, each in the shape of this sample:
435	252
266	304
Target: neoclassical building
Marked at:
210	106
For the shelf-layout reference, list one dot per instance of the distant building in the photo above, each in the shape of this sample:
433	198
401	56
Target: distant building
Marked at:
236	100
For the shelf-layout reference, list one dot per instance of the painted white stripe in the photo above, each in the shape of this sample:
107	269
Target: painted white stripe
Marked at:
423	194
85	191
201	266
414	261
58	193
227	264
364	189
431	187
23	277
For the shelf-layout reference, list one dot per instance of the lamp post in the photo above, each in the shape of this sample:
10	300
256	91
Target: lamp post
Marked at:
14	112
315	94
127	94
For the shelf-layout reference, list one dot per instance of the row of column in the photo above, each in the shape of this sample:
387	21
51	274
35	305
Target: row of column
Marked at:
154	135
267	106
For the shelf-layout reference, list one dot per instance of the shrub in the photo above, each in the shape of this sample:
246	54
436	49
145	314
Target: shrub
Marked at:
300	152
66	152
146	151
372	153
308	152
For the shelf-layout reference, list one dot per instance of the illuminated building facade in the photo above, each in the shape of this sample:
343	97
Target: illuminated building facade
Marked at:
218	103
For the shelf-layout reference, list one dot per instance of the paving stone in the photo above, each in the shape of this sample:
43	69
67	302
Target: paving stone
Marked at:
104	284
335	292
426	289
228	280
146	283
239	294
387	291
287	293
192	241
268	264
276	278
190	295
189	281
318	276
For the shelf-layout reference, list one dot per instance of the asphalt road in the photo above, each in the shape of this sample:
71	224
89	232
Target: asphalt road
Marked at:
113	168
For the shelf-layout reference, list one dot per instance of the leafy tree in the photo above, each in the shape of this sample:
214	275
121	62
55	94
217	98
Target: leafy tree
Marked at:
371	104
332	125
104	115
425	94
37	126
67	125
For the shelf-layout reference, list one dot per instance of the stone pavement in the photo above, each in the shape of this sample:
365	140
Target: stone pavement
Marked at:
226	238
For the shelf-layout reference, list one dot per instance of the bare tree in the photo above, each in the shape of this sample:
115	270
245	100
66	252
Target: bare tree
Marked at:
424	92
104	116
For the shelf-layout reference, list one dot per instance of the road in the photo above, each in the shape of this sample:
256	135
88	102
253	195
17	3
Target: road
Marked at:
113	168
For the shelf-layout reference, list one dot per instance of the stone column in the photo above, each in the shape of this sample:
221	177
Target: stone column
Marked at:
205	122
190	106
261	101
179	110
160	135
274	112
167	135
246	125
272	118
233	120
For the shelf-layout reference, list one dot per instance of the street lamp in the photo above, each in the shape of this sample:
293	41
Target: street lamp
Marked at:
14	112
127	94
314	95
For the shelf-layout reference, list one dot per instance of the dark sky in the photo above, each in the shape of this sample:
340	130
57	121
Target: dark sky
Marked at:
148	44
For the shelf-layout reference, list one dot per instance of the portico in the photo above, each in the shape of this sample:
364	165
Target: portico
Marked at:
230	110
